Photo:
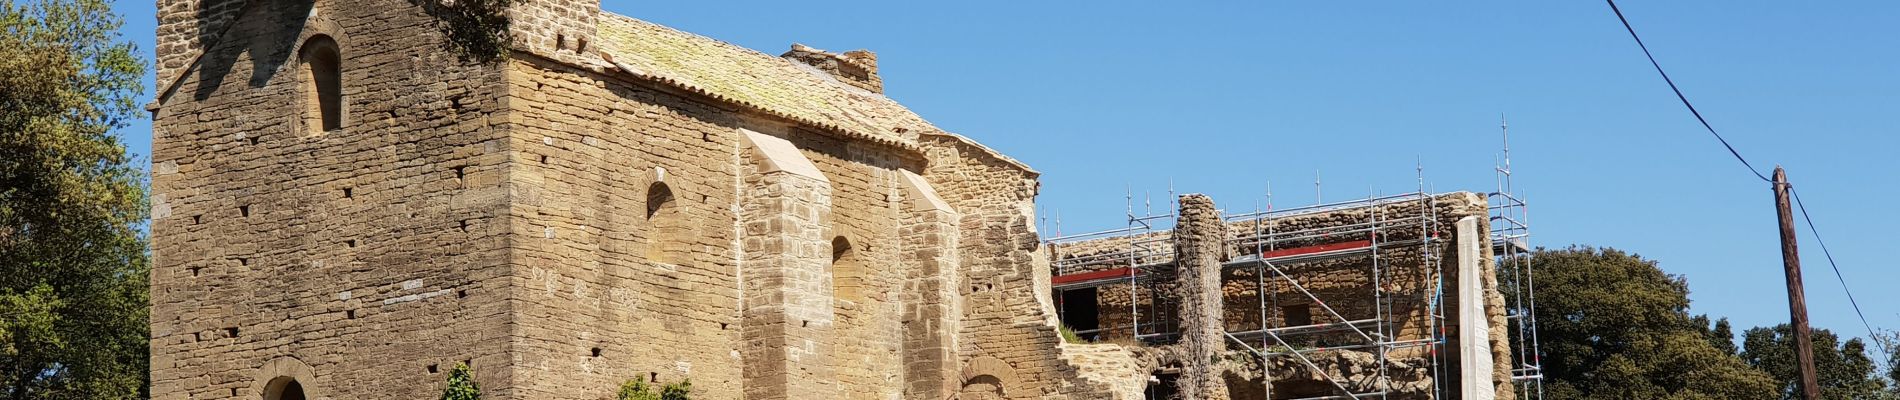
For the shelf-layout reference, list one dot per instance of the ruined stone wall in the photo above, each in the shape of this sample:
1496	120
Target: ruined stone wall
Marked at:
1408	272
1344	285
1010	348
363	262
1199	250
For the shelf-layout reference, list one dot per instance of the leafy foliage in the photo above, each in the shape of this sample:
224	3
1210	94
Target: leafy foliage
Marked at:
461	385
73	264
1889	341
1843	368
476	29
635	389
1614	326
1719	333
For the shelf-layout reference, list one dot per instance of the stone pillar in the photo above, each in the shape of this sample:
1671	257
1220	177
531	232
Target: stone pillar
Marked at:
1199	248
1474	336
932	303
785	275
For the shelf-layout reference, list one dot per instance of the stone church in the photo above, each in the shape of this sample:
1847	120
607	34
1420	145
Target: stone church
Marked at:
344	208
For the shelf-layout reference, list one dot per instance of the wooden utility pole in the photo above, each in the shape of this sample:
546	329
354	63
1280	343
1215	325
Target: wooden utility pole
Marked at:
1797	301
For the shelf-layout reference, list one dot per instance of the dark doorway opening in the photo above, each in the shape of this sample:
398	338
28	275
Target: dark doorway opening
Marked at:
284	388
1296	315
1081	312
1162	385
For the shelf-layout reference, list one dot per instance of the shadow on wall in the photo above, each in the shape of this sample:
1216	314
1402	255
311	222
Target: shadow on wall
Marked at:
268	30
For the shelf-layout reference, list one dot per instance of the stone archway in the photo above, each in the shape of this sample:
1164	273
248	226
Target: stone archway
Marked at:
982	387
284	388
988	378
285	378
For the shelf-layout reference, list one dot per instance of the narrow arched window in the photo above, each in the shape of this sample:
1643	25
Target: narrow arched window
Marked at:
667	233
322	85
847	271
283	388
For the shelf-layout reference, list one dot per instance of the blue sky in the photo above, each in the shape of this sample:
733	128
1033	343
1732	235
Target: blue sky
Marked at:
1224	97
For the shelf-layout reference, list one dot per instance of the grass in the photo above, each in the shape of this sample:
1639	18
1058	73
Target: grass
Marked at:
1068	334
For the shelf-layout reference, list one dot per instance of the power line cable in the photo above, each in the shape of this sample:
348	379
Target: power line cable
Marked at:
1878	342
1751	168
1679	96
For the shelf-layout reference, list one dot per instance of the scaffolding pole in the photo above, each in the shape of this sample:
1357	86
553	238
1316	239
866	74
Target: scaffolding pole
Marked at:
1510	238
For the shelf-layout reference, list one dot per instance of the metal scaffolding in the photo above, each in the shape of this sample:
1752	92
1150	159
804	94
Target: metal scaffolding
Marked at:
1388	237
1272	253
1511	244
1144	260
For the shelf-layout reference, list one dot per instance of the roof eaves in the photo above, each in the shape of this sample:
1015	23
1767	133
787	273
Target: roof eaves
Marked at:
696	89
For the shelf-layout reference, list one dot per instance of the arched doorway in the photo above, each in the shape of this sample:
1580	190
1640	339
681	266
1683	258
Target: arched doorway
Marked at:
285	378
284	388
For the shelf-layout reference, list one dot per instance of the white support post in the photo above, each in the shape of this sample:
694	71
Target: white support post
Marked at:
1474	333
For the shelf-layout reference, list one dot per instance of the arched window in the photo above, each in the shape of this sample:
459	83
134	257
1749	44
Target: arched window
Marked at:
283	388
667	233
847	271
322	85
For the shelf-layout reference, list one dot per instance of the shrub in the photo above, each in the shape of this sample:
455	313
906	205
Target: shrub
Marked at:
461	385
636	389
677	391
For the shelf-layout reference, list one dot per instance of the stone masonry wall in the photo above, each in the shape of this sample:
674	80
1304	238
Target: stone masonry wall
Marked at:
1344	285
1010	348
185	28
788	321
867	212
612	139
364	262
554	29
932	297
595	306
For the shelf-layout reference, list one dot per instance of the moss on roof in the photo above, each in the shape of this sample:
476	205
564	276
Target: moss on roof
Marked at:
746	77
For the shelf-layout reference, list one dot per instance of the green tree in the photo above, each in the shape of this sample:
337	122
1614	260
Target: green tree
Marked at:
1720	334
1889	341
1614	326
1843	369
462	385
477	30
635	389
73	257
